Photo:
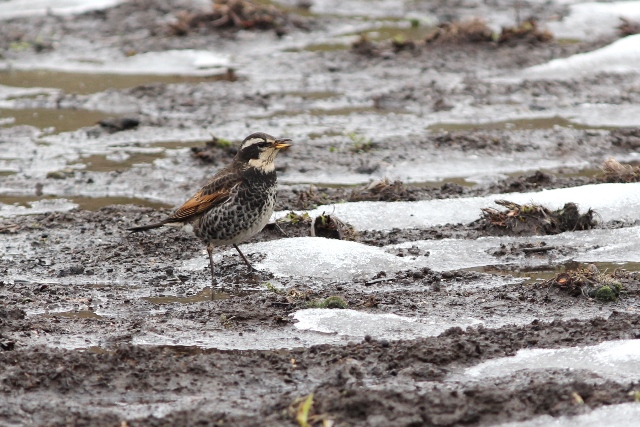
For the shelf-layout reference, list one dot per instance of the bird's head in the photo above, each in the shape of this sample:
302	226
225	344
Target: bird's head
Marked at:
259	150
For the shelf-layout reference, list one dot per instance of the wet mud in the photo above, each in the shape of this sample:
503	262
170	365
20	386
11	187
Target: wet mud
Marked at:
102	327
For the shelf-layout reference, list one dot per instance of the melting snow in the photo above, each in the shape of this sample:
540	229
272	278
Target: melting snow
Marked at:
343	260
594	19
358	324
610	201
14	8
624	415
622	56
618	245
616	360
319	257
181	62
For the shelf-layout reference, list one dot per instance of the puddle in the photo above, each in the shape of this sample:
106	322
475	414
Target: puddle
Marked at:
63	120
321	47
102	163
315	95
343	111
536	274
87	83
393	32
615	360
82	314
202	296
86	203
174	145
515	124
96	203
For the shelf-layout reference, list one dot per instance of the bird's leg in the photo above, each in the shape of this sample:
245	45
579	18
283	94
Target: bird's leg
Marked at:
213	279
251	268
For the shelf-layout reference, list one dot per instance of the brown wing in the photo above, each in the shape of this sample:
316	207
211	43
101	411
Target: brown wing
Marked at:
216	192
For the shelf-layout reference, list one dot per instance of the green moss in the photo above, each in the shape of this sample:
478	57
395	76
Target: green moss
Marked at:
223	143
607	293
294	218
330	302
272	288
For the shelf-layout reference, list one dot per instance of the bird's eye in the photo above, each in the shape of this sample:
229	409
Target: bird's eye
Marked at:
263	144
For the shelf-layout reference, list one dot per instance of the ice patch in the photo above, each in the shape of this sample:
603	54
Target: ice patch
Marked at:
623	415
37	207
15	8
615	360
169	62
7	92
610	201
319	257
343	260
617	246
388	325
589	21
622	56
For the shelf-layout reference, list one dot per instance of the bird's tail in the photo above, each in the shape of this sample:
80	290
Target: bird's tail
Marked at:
146	227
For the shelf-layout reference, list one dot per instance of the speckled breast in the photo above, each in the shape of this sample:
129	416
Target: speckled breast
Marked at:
245	213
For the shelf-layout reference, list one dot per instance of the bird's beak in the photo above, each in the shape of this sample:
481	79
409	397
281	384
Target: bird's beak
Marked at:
282	143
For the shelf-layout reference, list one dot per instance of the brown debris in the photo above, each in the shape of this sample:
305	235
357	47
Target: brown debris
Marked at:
614	171
527	31
9	228
238	14
628	27
590	282
471	31
533	219
331	227
400	43
382	191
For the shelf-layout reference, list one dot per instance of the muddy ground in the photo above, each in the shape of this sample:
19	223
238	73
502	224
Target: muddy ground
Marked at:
93	320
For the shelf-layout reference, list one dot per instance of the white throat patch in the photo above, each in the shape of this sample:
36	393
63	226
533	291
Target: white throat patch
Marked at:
265	162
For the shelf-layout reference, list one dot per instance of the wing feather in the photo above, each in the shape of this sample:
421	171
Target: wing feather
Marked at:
198	204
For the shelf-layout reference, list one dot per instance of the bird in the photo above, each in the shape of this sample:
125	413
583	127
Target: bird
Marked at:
237	202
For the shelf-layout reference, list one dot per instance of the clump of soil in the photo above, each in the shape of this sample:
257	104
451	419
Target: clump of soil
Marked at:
528	249
477	31
378	191
614	171
237	14
590	282
302	225
381	190
364	46
628	27
118	124
626	138
217	150
519	220
472	31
